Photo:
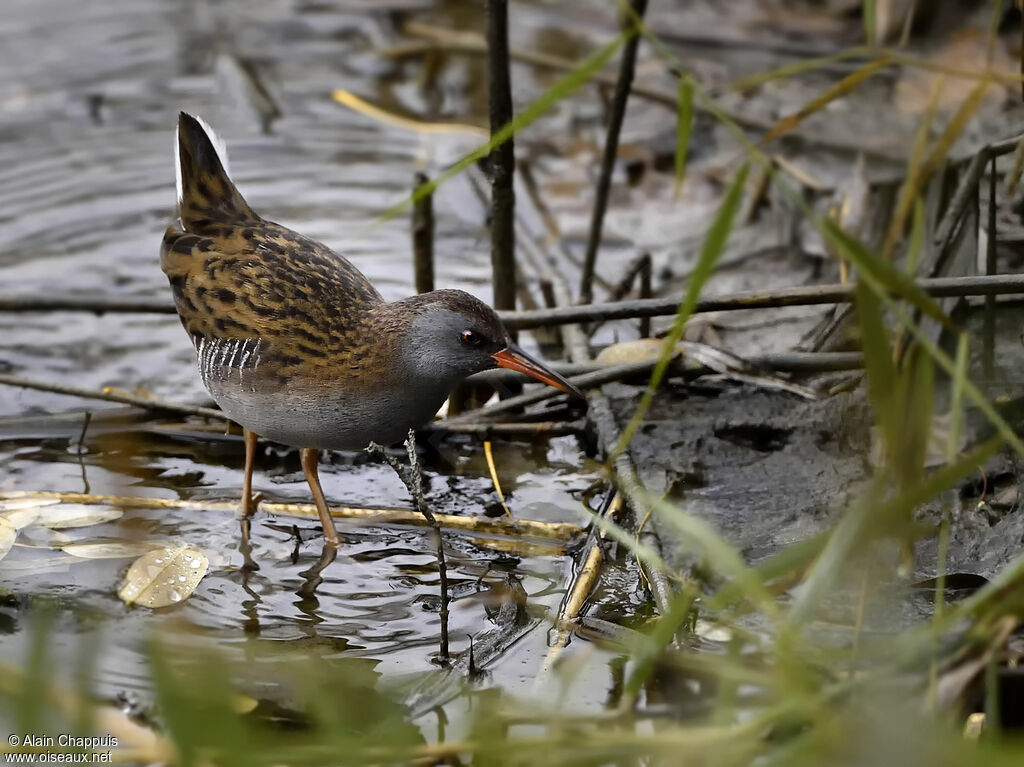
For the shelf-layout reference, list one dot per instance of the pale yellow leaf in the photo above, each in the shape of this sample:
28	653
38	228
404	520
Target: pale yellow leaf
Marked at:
26	501
107	549
19	518
76	515
8	533
163	577
638	350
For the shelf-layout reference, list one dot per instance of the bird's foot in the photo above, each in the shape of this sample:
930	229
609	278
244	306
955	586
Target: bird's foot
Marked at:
249	504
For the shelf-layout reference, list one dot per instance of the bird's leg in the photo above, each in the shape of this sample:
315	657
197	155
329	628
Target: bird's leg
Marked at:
309	457
249	501
412	478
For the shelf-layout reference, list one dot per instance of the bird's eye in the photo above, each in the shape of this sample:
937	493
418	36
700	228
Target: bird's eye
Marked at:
471	338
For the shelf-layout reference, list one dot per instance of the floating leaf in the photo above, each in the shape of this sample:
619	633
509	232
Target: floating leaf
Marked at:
38	537
163	577
45	563
19	518
22	512
76	515
26	501
112	549
8	533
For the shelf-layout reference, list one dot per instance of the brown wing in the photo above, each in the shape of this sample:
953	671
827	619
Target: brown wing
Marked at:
259	280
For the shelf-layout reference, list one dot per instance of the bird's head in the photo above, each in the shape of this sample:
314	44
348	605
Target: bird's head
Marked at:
453	335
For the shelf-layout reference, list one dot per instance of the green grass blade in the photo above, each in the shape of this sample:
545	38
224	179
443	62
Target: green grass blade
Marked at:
878	363
798	68
849	83
789	562
566	85
720	554
869	12
970	390
711	250
645	657
880	275
916	410
684	129
917	230
643	553
871	515
956	405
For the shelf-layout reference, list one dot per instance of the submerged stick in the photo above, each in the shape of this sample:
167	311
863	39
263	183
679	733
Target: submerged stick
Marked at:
627	67
583	583
512	528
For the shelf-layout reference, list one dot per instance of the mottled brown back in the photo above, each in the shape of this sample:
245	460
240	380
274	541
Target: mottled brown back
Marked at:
236	276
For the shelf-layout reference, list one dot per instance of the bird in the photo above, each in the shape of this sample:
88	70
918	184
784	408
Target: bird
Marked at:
295	344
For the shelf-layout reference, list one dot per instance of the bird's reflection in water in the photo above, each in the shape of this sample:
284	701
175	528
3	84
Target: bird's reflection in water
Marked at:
308	602
250	606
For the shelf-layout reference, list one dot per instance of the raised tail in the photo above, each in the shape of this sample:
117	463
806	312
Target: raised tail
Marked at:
206	194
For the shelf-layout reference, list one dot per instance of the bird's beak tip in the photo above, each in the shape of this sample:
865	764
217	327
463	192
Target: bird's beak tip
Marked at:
514	358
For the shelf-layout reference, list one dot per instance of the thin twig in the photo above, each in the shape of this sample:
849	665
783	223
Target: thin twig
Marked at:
488	430
965	192
92	304
640	267
451	41
646	290
512	528
147	403
423	237
585	375
811	295
503	242
627	67
779	362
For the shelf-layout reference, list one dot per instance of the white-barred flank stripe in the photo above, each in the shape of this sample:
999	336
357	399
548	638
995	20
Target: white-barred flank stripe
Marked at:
219	356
